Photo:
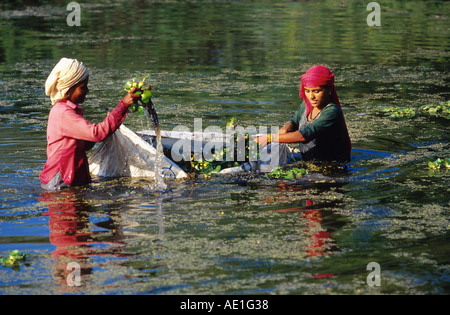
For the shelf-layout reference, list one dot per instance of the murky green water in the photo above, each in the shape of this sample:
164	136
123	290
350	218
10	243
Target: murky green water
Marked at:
241	234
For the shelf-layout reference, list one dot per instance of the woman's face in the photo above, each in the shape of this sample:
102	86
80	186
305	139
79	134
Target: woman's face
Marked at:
318	96
77	94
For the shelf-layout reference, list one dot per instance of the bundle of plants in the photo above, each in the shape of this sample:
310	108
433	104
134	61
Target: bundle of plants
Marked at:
237	150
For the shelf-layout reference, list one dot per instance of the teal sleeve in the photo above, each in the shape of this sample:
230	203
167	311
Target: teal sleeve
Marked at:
329	117
297	116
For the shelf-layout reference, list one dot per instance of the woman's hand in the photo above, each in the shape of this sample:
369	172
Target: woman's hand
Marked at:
262	140
288	127
280	137
131	98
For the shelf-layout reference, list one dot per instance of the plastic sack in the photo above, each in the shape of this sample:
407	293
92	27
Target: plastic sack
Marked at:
125	154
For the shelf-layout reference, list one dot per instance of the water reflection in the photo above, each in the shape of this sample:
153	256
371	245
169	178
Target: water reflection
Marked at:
75	236
312	217
319	242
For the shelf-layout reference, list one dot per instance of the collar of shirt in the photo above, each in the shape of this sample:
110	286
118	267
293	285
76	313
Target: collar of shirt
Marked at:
70	104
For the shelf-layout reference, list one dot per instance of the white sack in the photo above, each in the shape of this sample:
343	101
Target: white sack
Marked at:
125	154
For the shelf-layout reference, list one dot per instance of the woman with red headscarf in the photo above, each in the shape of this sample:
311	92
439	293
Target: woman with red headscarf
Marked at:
318	125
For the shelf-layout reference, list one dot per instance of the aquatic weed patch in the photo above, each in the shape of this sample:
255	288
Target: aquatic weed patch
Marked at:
433	111
287	173
241	150
439	164
14	259
395	112
441	110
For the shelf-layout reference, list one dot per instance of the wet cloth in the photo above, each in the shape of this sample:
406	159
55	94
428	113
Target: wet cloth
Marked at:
322	76
56	183
66	74
70	135
124	153
326	137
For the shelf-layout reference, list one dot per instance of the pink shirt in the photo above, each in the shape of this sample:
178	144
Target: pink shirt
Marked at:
70	135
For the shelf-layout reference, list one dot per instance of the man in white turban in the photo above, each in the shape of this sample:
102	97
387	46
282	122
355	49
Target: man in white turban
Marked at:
69	134
66	74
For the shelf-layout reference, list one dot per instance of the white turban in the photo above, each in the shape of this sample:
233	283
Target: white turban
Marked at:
67	73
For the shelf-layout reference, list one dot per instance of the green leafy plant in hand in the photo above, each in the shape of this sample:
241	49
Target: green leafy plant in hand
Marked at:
232	122
142	89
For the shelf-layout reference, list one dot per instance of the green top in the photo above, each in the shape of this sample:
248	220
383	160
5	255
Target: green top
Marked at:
325	135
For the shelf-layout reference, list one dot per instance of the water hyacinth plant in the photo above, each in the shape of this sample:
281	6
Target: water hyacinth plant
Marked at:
15	256
438	111
219	162
287	173
439	164
395	112
441	110
141	89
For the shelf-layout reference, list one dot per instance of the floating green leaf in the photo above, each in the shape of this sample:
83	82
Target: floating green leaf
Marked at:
14	257
439	163
441	110
287	173
395	112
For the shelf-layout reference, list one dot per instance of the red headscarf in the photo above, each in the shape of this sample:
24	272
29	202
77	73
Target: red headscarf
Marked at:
322	76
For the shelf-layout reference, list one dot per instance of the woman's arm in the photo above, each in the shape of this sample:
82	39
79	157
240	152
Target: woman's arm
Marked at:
330	116
290	137
287	134
286	137
288	127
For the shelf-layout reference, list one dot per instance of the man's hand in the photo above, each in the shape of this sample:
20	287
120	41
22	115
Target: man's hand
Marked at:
131	98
